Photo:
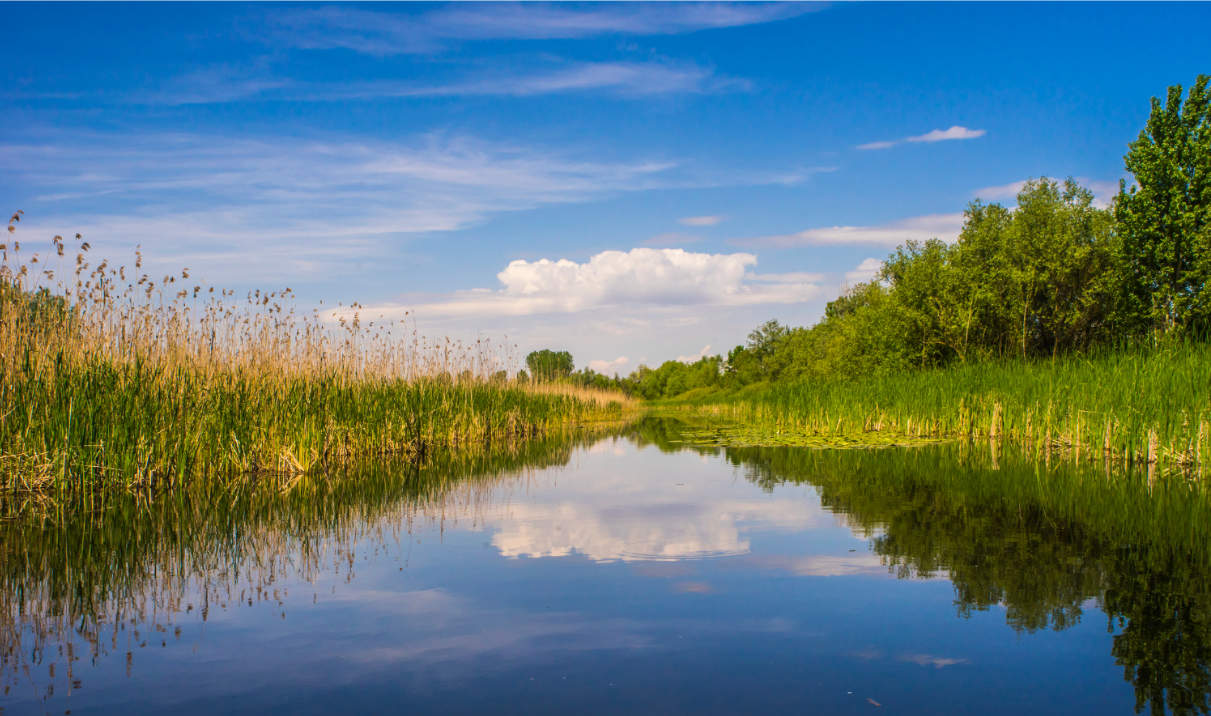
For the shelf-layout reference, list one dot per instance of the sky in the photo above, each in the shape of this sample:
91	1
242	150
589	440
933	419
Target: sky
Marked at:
633	183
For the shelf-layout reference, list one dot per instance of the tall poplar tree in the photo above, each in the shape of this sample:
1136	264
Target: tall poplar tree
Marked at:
1165	219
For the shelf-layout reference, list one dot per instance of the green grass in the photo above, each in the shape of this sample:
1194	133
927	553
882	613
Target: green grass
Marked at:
1134	406
106	385
134	424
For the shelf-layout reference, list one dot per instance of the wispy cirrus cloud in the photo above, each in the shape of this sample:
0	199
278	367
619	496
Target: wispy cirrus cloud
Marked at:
937	135
917	228
701	220
297	207
225	202
224	84
375	32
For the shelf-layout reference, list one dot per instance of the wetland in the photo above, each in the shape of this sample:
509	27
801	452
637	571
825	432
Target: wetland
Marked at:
629	568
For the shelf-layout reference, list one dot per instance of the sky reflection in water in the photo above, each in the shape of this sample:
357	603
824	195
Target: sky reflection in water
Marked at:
631	578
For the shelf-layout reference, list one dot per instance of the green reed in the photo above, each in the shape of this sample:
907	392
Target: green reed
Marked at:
1138	406
114	379
104	572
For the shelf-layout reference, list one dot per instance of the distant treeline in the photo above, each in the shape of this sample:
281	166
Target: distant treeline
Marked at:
1055	274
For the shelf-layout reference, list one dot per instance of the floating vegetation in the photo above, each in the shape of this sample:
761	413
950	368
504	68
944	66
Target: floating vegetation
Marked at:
722	433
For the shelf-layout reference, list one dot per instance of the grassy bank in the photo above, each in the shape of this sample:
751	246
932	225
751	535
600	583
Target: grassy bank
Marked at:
113	378
1151	407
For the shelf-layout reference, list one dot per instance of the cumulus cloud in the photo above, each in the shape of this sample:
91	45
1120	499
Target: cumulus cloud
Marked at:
608	528
641	277
865	271
701	220
916	228
937	135
609	367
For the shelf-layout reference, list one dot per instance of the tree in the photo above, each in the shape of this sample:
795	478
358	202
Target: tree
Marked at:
1165	219
549	365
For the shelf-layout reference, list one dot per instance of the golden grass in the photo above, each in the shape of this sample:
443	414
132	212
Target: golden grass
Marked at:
116	377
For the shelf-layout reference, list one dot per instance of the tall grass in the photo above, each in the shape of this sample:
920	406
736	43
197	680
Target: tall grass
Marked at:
83	581
1139	406
114	378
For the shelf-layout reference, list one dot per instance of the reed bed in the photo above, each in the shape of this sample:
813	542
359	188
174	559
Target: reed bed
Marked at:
113	377
114	574
1144	406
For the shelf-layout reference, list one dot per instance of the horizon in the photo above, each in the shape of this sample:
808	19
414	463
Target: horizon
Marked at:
631	183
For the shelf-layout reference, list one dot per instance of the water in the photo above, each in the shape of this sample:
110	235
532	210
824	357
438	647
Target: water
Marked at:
631	574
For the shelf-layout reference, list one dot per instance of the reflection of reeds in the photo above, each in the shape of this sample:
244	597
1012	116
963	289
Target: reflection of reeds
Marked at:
111	574
114	377
1133	407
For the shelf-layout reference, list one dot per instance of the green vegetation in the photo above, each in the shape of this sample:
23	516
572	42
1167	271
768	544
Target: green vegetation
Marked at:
120	381
1039	540
1054	322
97	569
1136	406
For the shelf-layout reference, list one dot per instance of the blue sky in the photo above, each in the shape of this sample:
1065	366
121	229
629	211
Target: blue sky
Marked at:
629	182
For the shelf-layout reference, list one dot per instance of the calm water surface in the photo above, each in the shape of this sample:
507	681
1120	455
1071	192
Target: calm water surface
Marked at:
622	575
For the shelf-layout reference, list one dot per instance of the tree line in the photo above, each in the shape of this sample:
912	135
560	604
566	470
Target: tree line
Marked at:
1054	274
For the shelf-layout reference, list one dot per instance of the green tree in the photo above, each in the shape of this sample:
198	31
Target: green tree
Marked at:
1165	219
547	364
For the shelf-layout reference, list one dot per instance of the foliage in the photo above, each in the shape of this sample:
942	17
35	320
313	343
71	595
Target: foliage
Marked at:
1053	275
1143	405
549	365
1165	219
117	380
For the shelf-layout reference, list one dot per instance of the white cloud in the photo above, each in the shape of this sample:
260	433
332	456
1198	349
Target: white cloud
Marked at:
788	277
706	350
917	228
937	135
609	367
942	135
937	662
287	208
1103	191
641	277
822	565
388	33
876	145
621	527
700	220
627	79
865	271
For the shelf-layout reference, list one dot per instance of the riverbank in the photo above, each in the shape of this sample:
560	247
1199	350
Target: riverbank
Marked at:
1133	406
114	380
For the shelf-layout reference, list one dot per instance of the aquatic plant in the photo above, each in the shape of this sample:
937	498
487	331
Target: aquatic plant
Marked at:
113	377
1149	407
